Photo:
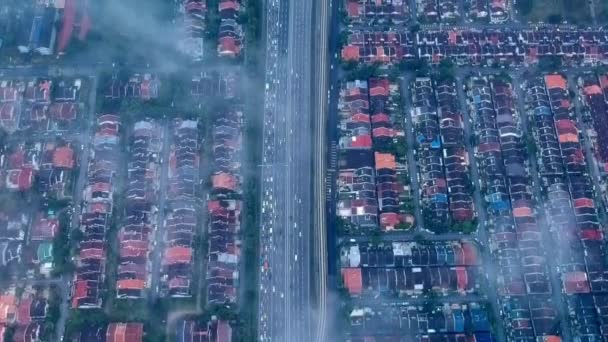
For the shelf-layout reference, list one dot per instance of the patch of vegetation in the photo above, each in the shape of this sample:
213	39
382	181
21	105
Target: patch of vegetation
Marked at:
555	11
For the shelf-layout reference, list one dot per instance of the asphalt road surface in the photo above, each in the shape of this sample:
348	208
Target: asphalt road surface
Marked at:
285	311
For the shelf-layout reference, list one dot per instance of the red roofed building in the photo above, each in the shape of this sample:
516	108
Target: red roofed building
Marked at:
131	284
63	111
353	280
361	141
462	278
228	47
583	203
20	179
44	229
125	332
350	53
63	157
470	254
389	221
177	255
224	332
8	117
23	311
225	181
576	282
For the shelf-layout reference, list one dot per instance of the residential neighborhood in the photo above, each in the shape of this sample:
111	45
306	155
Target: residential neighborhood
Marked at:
303	171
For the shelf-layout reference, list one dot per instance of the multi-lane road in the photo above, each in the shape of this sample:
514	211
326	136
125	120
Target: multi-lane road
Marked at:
286	307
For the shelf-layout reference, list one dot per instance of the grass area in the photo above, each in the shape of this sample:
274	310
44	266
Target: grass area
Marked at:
601	7
555	11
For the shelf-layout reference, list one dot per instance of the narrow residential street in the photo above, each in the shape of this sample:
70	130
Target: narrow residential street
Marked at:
159	234
406	98
482	231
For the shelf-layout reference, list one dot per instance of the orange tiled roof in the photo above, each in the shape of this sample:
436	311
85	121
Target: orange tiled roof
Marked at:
555	81
63	157
131	284
385	161
353	280
225	181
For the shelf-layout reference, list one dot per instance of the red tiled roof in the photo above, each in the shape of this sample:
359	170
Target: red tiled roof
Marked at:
381	117
101	187
555	81
69	14
576	282
462	278
228	4
228	46
131	284
23	311
383	132
389	219
65	111
175	255
350	53
91	253
81	290
25	177
63	157
353	280
224	181
125	332
583	203
362	141
44	228
224	332
591	234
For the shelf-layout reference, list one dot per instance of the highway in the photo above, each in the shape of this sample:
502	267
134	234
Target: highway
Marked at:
285	307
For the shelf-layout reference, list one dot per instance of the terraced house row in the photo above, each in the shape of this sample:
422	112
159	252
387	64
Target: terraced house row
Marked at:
433	11
97	207
408	268
40	105
441	154
224	208
594	92
455	156
230	42
570	206
193	13
522	278
373	185
181	226
373	12
388	137
479	47
462	322
496	11
140	222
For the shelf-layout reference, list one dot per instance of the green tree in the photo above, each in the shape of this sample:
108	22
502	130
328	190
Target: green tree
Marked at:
524	6
550	63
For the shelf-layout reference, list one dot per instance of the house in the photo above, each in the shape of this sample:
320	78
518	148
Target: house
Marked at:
76	23
44	228
194	12
125	332
196	331
8	307
441	267
230	36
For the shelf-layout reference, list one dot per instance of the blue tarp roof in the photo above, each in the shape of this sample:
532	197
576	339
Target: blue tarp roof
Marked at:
441	198
480	321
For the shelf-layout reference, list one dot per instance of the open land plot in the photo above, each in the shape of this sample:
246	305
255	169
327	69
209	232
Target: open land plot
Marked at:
572	11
